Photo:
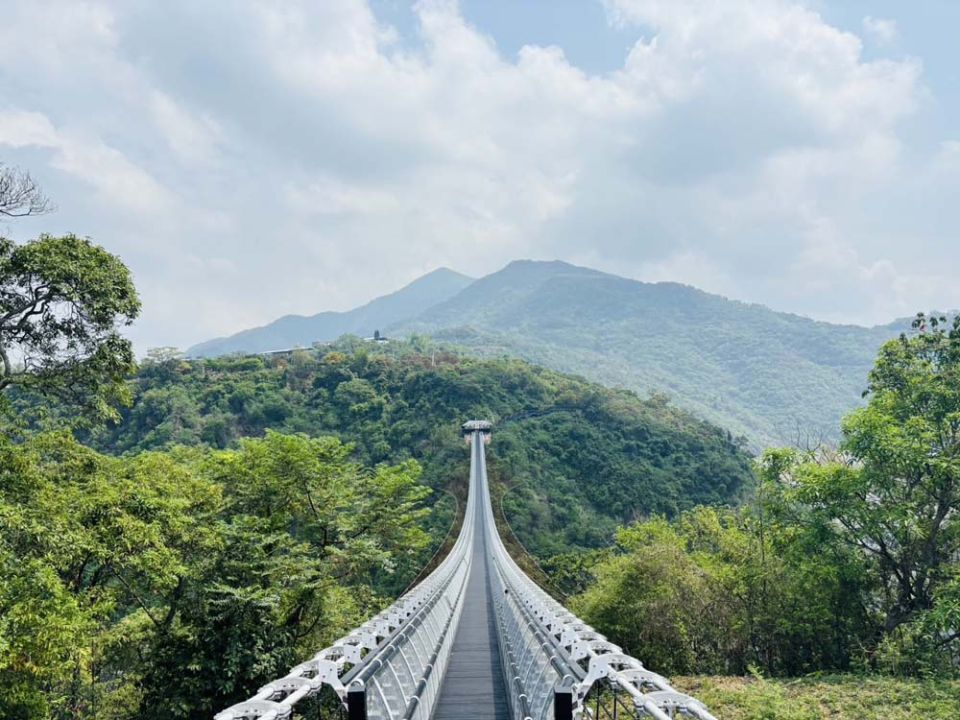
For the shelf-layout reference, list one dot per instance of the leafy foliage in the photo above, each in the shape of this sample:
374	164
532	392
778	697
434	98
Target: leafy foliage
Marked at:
167	585
61	302
844	558
894	491
710	594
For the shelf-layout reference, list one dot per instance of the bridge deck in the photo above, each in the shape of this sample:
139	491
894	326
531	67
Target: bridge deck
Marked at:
473	686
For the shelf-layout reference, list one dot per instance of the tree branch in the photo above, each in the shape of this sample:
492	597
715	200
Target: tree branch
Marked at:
136	596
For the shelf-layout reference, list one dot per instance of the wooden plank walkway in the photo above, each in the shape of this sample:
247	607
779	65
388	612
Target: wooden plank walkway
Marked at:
473	687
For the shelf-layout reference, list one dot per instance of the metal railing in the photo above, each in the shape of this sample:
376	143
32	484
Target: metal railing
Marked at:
555	661
556	667
392	665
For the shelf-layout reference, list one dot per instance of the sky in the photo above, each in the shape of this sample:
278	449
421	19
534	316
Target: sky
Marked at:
250	159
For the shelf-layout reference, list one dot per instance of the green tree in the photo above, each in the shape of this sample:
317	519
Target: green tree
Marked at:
169	584
712	593
62	301
656	601
893	490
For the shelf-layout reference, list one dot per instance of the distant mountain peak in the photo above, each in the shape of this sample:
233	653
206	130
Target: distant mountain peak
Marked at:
546	267
442	272
302	331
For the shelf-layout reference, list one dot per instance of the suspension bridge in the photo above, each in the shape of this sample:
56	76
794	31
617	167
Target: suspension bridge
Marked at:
475	640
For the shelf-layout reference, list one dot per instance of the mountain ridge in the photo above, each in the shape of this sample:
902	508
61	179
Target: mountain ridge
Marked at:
770	376
303	330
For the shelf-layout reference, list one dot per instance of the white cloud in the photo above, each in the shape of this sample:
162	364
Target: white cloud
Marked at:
118	181
690	268
19	129
329	196
304	157
192	139
883	31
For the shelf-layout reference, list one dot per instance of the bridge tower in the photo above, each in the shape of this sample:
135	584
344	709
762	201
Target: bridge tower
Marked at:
481	426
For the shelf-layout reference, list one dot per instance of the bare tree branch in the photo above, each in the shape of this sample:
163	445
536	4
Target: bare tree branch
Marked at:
20	195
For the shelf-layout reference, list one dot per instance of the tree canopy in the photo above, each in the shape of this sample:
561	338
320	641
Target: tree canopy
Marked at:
893	491
579	458
168	585
62	302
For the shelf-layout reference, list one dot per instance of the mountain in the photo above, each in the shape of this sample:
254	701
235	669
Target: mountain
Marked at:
299	331
773	377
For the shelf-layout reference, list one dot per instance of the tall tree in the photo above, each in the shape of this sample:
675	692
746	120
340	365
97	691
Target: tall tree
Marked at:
62	302
171	584
894	490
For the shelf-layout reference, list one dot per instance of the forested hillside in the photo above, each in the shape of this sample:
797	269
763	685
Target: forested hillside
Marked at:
763	374
579	458
842	560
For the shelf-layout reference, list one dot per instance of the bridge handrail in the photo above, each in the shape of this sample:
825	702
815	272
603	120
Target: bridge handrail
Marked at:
355	659
543	646
574	648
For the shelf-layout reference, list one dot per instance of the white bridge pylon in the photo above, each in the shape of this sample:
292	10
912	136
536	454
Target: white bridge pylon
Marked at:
555	667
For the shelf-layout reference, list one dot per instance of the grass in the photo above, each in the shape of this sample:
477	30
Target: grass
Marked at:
837	697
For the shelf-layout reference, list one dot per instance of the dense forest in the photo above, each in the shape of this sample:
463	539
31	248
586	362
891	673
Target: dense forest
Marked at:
166	584
579	459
